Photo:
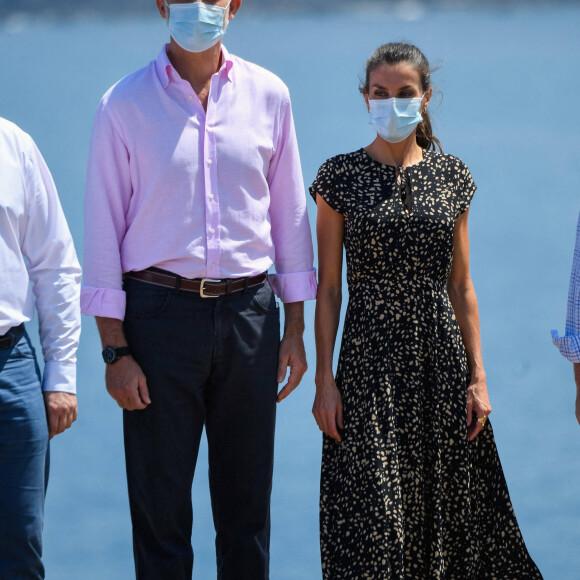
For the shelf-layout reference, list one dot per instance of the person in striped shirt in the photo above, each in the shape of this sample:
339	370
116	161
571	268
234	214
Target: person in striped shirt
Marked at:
569	344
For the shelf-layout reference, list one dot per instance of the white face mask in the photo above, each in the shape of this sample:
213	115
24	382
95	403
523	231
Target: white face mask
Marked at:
196	26
395	119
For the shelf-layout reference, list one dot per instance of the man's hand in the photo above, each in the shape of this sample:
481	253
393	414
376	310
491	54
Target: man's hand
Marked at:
292	353
125	380
61	411
127	384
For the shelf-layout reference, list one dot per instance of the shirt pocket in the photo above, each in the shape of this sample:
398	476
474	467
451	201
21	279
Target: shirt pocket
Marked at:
264	299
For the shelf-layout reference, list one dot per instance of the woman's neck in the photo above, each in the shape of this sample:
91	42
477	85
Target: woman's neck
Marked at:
401	154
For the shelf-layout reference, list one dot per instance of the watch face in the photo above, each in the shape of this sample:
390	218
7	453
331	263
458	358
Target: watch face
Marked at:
109	354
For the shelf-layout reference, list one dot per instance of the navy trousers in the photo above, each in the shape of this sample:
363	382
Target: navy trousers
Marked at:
208	362
24	463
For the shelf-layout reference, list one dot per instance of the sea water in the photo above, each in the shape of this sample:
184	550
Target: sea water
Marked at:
506	102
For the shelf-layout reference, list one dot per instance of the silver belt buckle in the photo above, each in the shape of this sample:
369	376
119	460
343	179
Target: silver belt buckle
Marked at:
202	290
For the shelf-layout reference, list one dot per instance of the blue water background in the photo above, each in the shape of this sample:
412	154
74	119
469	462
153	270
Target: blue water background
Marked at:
509	87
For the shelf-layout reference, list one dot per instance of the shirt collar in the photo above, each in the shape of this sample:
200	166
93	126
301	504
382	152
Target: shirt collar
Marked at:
164	67
167	73
227	63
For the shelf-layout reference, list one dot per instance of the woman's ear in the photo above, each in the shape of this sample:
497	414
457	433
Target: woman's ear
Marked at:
428	96
161	8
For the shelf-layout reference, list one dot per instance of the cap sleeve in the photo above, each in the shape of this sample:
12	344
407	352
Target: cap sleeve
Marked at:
465	188
326	186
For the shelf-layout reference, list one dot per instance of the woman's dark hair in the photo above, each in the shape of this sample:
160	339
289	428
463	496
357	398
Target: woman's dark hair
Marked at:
395	53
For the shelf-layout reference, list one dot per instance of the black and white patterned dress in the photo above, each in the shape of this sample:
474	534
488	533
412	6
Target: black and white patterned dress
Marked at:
405	495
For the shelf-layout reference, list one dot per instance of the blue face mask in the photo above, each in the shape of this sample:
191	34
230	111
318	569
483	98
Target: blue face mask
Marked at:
395	119
196	26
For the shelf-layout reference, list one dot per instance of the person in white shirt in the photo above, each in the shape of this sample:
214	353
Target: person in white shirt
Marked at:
38	265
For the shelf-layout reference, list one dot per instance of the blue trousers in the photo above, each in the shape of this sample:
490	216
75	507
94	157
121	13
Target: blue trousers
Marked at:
208	362
24	463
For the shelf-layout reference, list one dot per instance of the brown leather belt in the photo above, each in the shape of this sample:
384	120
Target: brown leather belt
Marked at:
206	287
11	337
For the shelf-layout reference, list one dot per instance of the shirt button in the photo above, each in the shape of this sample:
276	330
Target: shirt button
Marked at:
209	161
190	97
211	195
213	265
212	230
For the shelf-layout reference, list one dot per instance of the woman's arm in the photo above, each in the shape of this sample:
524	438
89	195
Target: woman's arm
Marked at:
327	408
464	302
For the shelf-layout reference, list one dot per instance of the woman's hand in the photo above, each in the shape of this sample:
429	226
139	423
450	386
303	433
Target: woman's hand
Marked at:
327	408
477	404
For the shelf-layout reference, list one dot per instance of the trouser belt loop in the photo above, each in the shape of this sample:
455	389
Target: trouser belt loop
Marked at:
246	283
10	339
177	287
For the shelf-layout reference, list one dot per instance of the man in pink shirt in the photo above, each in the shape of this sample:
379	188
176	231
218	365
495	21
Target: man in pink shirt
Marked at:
194	190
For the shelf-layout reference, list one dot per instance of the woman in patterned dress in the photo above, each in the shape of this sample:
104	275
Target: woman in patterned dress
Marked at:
411	487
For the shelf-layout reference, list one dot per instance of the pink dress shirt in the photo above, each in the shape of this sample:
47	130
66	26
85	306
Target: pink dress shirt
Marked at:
216	194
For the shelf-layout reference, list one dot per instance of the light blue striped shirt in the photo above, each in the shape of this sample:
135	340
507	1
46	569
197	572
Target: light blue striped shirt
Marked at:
569	345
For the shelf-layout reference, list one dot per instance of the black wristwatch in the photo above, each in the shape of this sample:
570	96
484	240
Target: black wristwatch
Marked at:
111	354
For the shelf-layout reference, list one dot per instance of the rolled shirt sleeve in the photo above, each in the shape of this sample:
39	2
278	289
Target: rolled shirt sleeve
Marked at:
55	273
295	277
569	345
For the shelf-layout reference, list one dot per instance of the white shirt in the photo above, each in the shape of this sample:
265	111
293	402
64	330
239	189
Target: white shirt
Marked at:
36	247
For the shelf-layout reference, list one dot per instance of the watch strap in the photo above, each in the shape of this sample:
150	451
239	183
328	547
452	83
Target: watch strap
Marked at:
111	354
122	351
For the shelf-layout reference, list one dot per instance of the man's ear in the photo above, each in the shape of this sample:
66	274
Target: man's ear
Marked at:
234	7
